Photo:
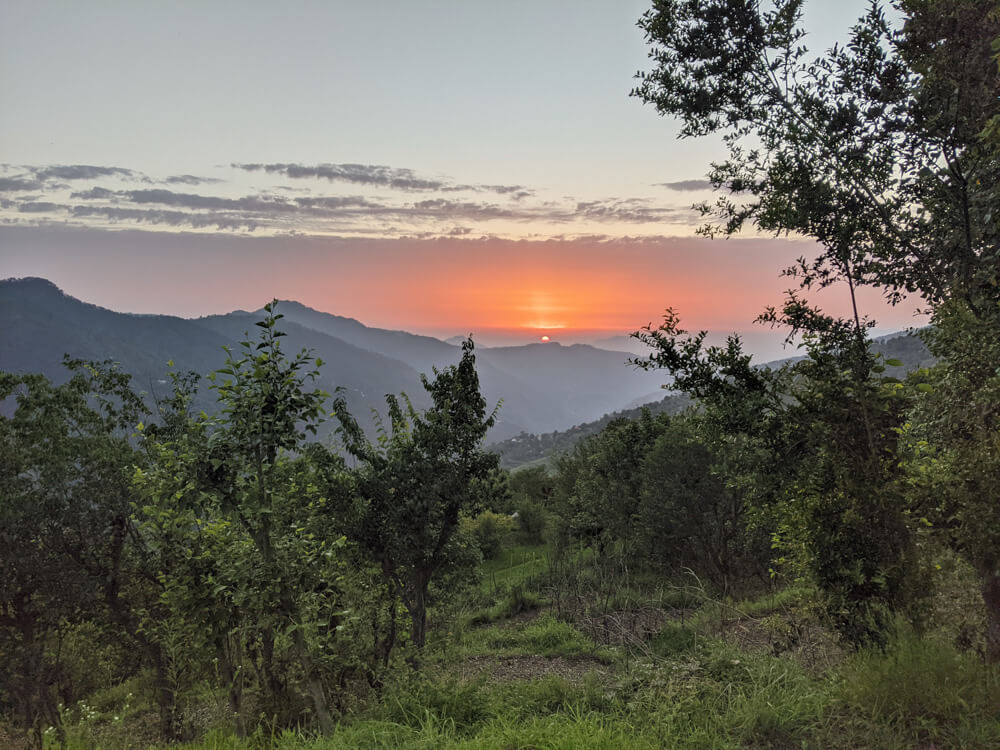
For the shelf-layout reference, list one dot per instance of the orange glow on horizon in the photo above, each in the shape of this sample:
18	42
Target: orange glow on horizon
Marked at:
545	286
447	287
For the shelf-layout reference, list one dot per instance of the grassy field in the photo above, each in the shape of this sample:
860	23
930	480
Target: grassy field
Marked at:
761	673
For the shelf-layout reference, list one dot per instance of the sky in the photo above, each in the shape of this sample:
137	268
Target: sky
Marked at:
439	167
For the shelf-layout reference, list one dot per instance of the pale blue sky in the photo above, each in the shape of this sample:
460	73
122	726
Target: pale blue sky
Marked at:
516	92
419	120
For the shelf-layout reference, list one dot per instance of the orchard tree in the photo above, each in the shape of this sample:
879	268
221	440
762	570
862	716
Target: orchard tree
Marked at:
810	448
953	442
232	508
416	481
66	528
884	150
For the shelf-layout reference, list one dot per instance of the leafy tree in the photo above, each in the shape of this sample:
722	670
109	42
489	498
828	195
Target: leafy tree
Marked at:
689	515
811	448
66	524
425	471
249	557
531	493
873	148
953	439
883	150
602	500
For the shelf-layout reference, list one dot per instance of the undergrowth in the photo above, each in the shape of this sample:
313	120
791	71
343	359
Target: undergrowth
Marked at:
694	683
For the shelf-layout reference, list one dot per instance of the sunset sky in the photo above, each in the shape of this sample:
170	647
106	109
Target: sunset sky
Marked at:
440	167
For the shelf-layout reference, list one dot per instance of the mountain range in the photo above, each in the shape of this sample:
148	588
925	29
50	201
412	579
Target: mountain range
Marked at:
530	449
542	387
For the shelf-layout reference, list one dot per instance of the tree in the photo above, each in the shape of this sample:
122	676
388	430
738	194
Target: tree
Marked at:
691	518
416	481
249	558
600	494
66	525
873	148
811	447
883	150
953	442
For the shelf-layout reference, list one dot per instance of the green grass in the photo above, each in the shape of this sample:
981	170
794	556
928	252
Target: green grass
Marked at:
544	636
515	566
694	688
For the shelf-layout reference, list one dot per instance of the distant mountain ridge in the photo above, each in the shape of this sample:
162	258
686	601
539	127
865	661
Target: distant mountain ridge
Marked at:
543	387
529	449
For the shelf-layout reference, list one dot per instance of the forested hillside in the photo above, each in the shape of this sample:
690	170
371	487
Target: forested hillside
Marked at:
543	387
907	349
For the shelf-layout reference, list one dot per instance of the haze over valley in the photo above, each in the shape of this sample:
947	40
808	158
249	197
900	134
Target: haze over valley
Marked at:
542	386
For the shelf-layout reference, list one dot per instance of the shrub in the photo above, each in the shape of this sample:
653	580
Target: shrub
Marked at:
491	532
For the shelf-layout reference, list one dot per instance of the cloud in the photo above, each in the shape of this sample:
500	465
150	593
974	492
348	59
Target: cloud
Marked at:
360	174
454	210
190	179
38	207
396	178
84	172
687	185
333	202
20	183
630	210
166	218
195	201
95	193
272	210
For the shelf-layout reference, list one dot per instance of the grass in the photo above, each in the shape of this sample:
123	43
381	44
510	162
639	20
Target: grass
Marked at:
696	685
920	694
544	636
515	566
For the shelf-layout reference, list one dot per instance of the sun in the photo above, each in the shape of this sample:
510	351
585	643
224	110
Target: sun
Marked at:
545	339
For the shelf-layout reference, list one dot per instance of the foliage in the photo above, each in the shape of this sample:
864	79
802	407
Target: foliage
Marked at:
248	561
65	503
491	532
424	472
953	444
526	449
880	151
872	148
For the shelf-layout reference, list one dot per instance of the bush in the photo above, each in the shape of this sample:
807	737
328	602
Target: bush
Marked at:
674	639
491	532
532	521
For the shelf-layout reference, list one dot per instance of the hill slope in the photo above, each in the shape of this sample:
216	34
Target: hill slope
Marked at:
542	387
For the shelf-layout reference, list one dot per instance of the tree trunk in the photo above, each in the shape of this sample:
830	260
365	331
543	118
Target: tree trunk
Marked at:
273	688
418	615
991	598
165	698
314	685
233	677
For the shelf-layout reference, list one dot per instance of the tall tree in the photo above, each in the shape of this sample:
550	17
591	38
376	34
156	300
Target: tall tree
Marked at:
418	478
873	148
884	150
230	507
66	523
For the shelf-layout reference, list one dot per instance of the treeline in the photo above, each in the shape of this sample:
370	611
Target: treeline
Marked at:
885	151
226	550
528	448
825	470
